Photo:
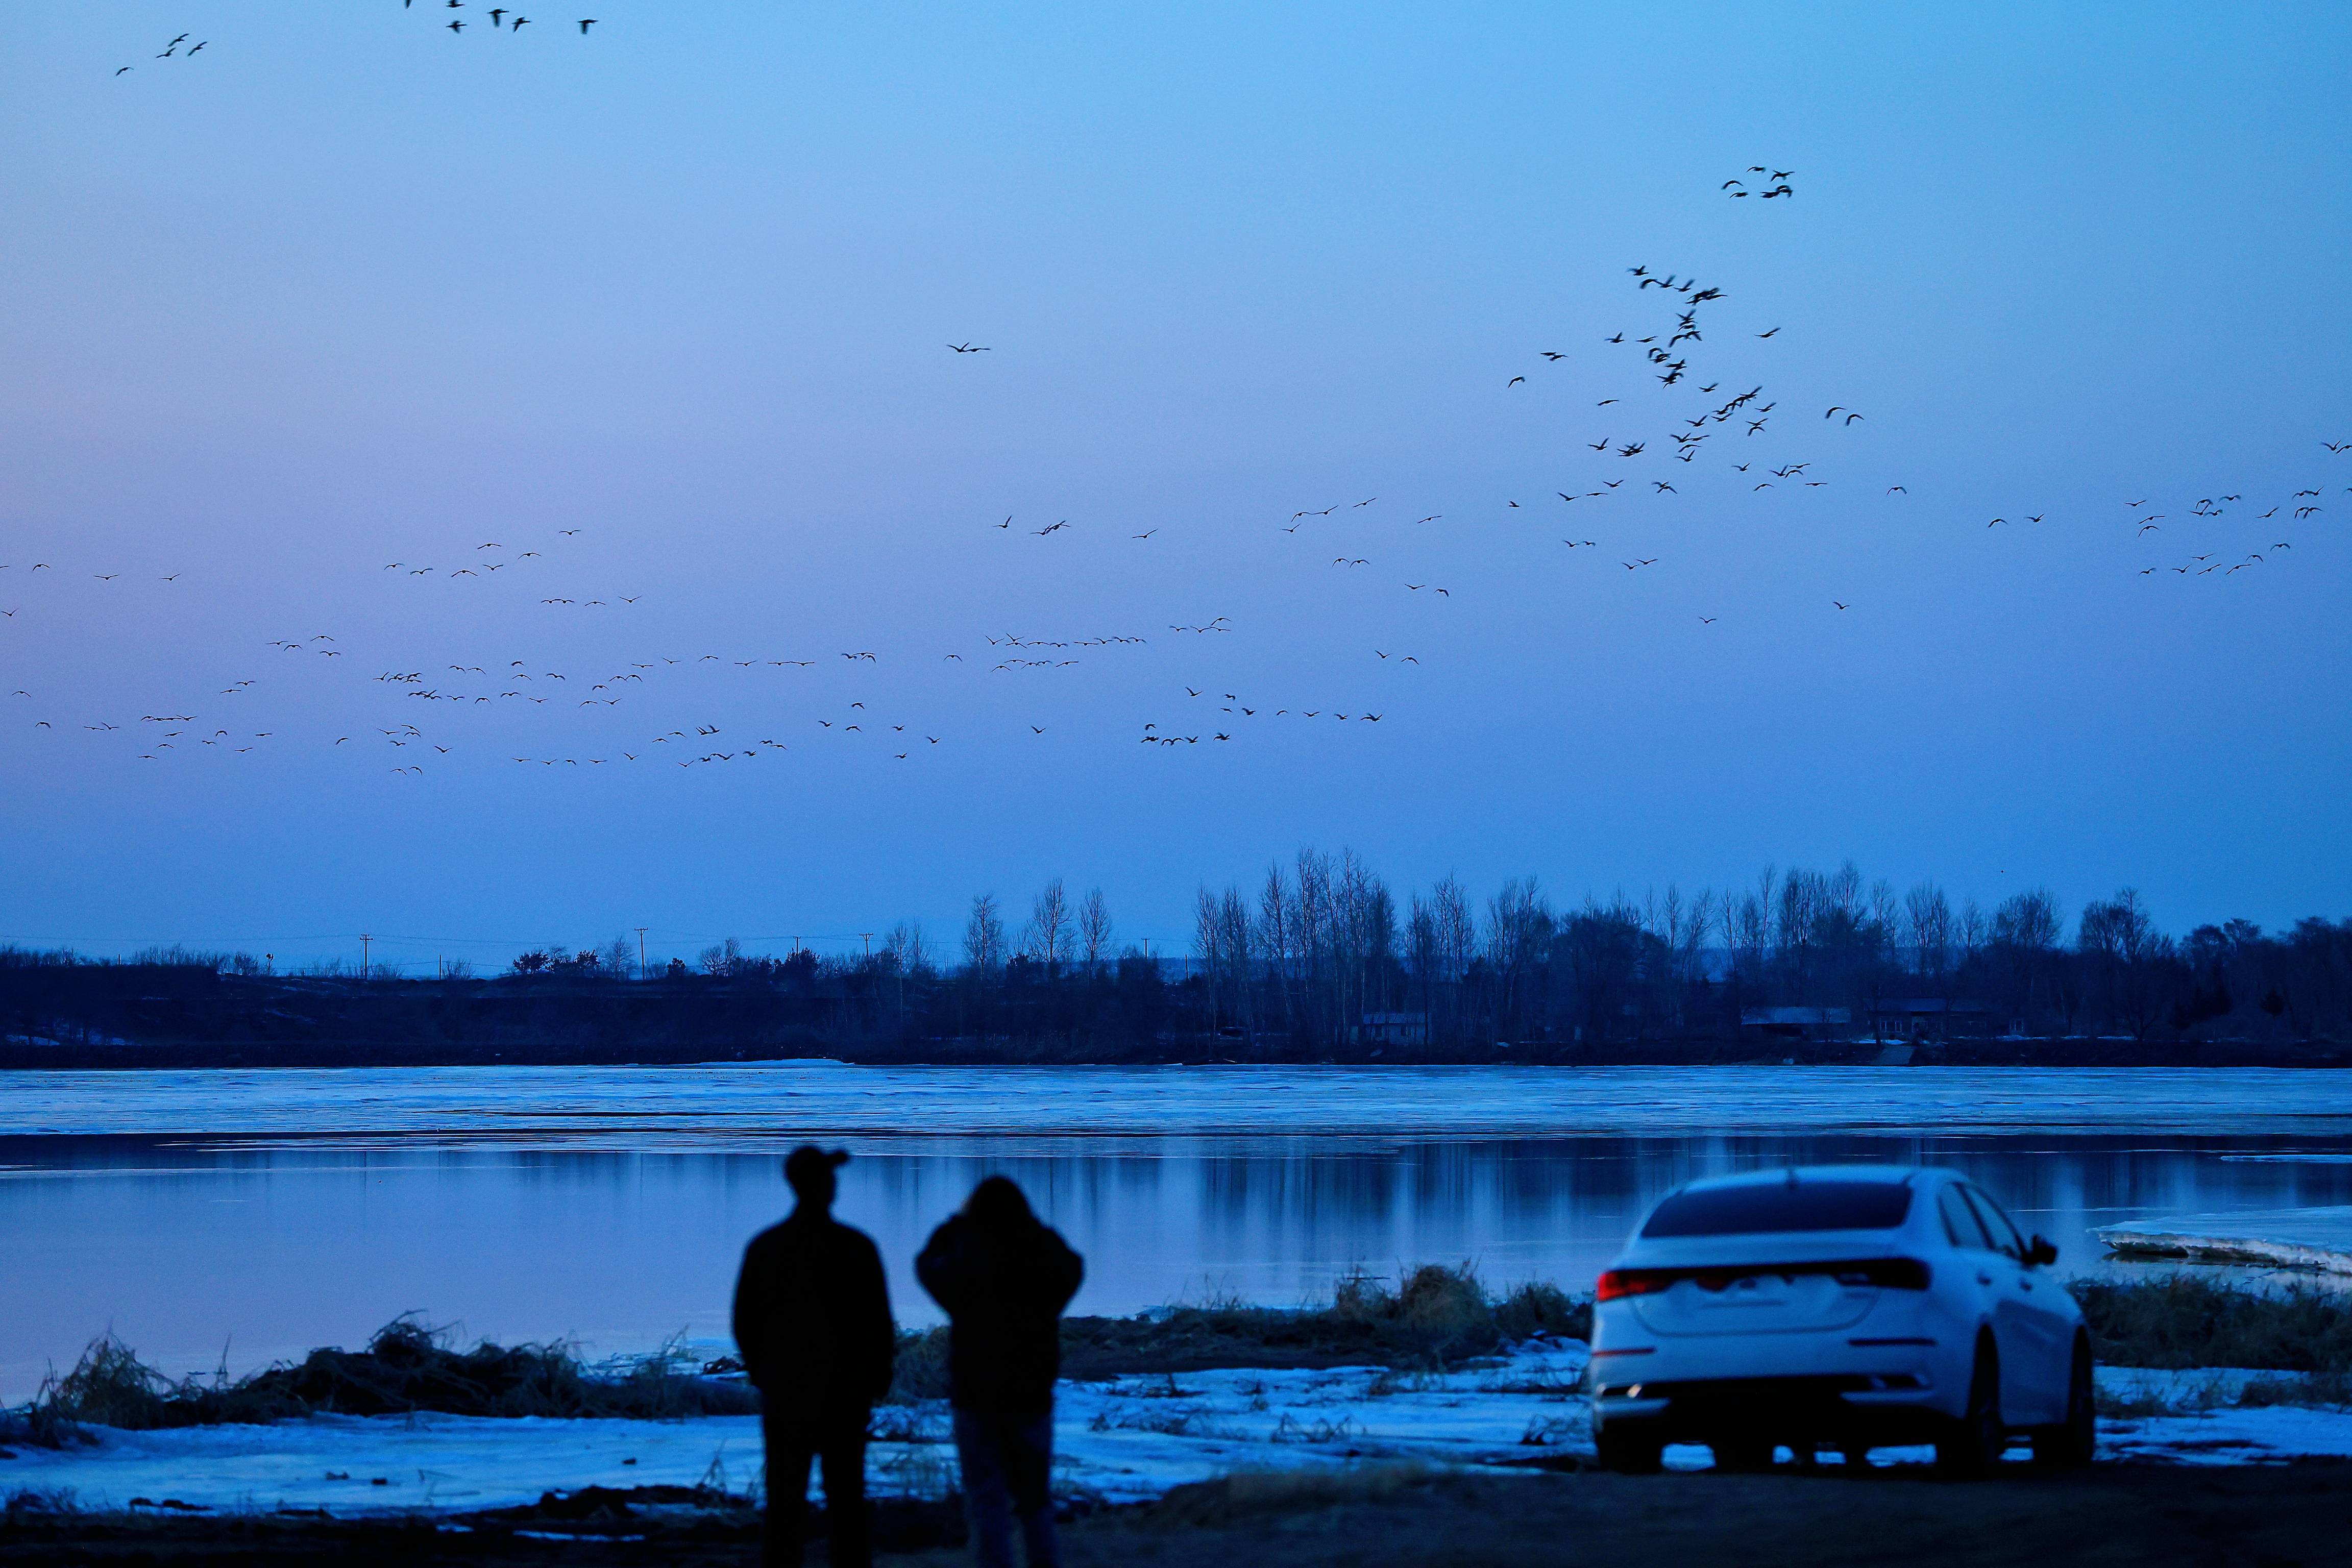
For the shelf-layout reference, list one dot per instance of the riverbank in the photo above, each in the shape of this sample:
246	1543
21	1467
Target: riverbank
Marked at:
21	1053
1379	1517
1431	1371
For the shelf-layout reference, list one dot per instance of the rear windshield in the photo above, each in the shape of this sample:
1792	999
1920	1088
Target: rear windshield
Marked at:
1782	1205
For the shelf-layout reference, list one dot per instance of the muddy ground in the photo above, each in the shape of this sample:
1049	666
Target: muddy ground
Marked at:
2255	1516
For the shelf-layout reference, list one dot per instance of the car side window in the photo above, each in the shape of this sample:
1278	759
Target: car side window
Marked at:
2005	1238
1961	1222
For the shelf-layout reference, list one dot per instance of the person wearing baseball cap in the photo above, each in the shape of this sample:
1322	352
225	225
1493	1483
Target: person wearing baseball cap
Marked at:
813	1319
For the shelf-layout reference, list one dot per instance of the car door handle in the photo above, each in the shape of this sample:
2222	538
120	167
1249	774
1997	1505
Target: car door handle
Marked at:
1984	1278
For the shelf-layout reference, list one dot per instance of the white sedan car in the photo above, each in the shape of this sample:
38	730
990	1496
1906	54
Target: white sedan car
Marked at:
1838	1306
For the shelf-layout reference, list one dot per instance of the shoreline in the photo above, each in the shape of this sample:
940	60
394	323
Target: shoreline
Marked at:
20	1053
1385	1515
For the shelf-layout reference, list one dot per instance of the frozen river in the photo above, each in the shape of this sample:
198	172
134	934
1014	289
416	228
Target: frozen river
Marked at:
255	1214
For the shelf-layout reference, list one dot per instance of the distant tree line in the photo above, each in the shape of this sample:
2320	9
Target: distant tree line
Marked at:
1320	956
1321	943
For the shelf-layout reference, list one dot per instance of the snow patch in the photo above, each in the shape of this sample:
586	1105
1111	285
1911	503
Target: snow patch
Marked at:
1127	1439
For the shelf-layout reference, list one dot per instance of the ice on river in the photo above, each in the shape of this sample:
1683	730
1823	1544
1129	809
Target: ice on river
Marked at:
2309	1238
703	1105
1126	1440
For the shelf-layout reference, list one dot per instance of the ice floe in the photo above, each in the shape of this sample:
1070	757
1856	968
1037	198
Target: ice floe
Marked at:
2319	1240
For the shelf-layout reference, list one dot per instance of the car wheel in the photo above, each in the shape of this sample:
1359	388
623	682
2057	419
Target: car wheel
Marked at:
1742	1454
2069	1445
1630	1451
1972	1446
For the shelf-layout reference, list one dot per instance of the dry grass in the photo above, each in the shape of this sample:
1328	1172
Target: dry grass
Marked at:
1246	1493
407	1366
920	1371
2181	1320
1430	1316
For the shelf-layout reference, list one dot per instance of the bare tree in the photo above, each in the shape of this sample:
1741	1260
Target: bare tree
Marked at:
1970	933
1221	942
983	937
1457	934
2025	934
619	957
1680	928
1276	931
909	952
1094	929
1748	930
2121	942
1047	938
1927	931
1518	928
1364	929
1453	941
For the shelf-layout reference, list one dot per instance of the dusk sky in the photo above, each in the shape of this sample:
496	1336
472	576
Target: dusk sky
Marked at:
347	289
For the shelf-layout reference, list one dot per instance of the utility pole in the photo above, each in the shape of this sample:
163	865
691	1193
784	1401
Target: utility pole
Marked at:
363	955
641	952
869	937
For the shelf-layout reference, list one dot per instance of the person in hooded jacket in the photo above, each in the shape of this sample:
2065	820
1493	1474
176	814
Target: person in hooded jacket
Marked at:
813	1319
1003	1277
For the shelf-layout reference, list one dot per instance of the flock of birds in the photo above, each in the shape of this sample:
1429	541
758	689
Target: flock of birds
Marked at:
502	18
1696	426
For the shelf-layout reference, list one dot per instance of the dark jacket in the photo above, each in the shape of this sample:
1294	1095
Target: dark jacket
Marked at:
813	1315
1003	1289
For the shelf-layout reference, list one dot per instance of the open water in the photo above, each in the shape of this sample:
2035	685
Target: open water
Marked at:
240	1217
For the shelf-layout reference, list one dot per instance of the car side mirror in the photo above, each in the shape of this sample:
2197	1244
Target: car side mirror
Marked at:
2043	1251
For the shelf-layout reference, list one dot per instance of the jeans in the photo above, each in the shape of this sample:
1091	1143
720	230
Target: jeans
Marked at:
1007	1463
793	1438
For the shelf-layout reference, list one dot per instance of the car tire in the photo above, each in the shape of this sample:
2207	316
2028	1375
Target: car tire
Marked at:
2070	1445
1972	1446
1630	1451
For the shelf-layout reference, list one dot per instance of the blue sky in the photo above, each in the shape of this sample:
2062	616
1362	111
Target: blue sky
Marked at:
347	289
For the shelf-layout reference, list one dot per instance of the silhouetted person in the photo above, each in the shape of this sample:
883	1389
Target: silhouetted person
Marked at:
813	1318
1004	1277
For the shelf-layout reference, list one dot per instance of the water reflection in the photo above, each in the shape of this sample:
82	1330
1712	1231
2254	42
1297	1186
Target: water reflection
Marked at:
184	1247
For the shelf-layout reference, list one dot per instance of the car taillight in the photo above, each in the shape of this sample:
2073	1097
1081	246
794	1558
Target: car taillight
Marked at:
1616	1282
1888	1273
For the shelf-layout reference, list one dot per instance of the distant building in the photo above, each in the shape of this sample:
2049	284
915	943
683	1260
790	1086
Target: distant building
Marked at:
1794	1023
1917	1018
1392	1029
